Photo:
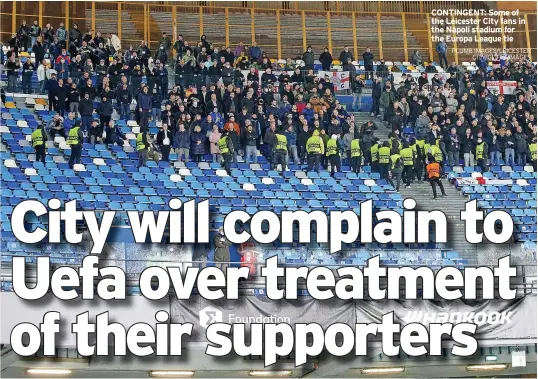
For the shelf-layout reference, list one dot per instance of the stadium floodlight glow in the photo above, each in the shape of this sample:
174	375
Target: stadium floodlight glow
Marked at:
171	373
491	358
382	370
54	372
269	373
494	367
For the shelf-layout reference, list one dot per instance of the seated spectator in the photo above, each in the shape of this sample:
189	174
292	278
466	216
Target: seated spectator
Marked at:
95	133
56	127
114	134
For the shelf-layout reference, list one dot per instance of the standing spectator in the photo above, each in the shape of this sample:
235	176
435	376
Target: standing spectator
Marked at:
386	101
302	138
254	52
124	99
60	97
198	144
27	72
42	76
508	142
493	142
534	153
156	105
346	55
165	42
520	146
24	35
416	58
85	107
38	49
356	89
179	47
376	96
48	36
144	104
250	140
12	68
165	141
468	148
291	137
51	86
75	39
368	58
326	59
442	49
105	110
35	31
182	142
453	148
214	138
308	58
61	34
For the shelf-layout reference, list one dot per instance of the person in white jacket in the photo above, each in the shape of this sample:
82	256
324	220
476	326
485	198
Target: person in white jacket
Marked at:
41	76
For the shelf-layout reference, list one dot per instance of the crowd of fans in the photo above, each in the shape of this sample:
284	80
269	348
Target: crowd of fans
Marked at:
210	107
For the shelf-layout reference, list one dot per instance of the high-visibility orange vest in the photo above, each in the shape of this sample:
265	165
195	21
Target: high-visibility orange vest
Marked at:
433	170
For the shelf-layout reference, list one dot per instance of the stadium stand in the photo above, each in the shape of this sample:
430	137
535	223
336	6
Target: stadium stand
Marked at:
109	177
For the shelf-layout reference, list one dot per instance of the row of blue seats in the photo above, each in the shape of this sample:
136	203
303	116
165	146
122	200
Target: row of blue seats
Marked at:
497	204
503	196
498	189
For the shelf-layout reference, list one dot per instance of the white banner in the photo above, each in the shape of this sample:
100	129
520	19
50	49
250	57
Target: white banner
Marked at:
340	79
504	87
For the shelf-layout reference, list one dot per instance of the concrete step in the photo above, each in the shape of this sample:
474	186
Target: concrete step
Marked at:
451	205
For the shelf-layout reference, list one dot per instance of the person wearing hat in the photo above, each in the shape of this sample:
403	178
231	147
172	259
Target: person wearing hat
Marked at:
39	137
74	140
333	153
226	149
315	148
433	170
